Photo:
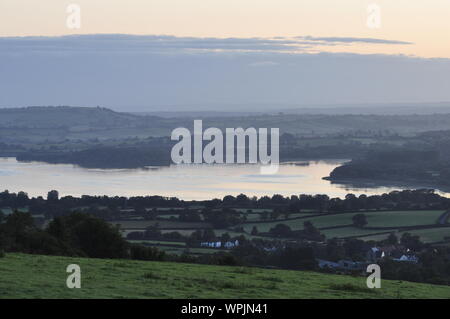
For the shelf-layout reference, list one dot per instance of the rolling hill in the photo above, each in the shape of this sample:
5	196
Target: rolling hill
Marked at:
36	276
42	123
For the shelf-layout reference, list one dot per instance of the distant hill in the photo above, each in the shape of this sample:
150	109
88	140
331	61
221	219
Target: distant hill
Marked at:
43	124
108	278
227	110
63	116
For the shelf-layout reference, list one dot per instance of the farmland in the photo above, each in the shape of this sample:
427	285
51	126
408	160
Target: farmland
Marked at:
423	223
375	219
407	232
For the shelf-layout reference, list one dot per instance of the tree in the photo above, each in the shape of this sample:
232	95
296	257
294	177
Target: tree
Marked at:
228	200
152	232
20	234
334	251
411	241
264	215
281	230
297	258
140	252
392	239
359	220
22	199
52	196
209	235
92	236
309	228
225	237
17	224
58	229
311	232
242	199
355	249
275	214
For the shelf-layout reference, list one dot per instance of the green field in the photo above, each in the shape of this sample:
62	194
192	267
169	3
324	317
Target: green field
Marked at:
374	219
431	235
185	250
348	232
35	276
174	247
8	210
157	242
143	224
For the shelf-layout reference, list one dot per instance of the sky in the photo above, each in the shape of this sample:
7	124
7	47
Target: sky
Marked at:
426	24
144	55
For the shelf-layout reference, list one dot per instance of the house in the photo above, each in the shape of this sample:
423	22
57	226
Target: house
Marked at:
218	244
230	244
376	253
373	254
351	265
325	264
408	258
211	244
341	264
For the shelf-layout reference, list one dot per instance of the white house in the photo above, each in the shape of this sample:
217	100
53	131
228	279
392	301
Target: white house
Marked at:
408	258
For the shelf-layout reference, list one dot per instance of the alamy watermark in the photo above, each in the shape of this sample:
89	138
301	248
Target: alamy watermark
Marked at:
374	279
74	279
233	149
73	20
374	16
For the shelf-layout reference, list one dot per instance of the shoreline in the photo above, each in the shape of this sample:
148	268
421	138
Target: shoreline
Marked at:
376	183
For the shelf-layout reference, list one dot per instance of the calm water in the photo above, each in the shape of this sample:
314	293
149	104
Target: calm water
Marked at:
183	181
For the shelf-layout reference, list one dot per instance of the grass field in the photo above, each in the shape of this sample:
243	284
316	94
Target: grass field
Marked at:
431	235
374	219
35	276
143	224
157	242
191	251
348	231
343	221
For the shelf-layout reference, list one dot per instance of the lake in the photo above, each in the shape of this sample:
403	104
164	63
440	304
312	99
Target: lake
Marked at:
182	181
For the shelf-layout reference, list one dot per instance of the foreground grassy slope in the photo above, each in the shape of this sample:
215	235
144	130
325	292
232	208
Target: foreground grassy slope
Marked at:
33	276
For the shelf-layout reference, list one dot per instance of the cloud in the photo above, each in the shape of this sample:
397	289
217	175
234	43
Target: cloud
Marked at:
156	72
114	43
145	44
324	40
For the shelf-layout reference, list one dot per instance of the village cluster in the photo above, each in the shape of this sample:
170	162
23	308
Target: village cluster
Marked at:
219	244
396	253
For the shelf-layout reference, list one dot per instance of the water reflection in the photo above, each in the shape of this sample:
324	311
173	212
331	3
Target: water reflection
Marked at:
183	181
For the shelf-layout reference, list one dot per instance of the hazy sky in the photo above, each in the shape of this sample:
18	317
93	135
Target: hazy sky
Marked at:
425	23
201	54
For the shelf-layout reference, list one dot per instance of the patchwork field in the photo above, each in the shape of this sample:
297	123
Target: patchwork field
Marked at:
380	221
374	219
431	235
143	224
35	276
380	225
